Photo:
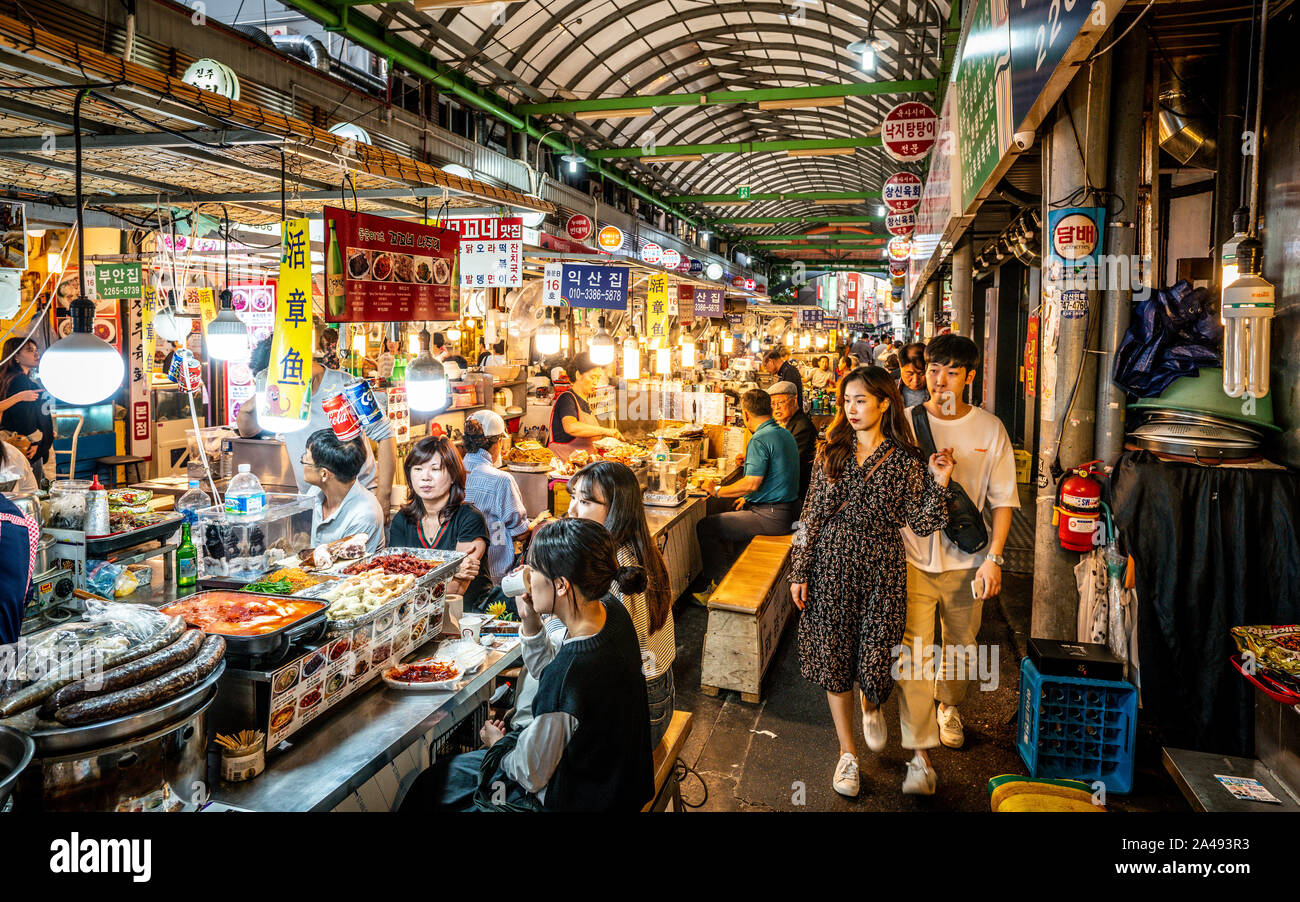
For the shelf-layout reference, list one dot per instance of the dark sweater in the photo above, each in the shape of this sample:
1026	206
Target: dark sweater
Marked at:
800	425
607	765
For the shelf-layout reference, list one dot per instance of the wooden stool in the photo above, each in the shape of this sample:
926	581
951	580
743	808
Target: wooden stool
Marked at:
747	614
667	786
123	461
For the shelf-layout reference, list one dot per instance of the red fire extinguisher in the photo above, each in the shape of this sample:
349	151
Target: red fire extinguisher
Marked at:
1077	512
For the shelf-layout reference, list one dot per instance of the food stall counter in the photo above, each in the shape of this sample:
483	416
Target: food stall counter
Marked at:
366	753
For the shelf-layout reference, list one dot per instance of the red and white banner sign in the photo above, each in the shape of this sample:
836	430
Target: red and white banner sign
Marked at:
901	223
851	293
902	192
685	303
579	227
670	259
491	251
899	248
909	131
651	253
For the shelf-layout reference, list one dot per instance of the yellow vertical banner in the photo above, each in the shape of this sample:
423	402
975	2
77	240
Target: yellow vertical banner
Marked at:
148	307
207	306
288	379
656	309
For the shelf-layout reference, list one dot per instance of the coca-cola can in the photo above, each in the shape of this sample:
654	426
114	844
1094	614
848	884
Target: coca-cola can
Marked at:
343	421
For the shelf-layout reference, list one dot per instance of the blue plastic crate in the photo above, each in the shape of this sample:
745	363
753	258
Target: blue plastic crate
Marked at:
1077	728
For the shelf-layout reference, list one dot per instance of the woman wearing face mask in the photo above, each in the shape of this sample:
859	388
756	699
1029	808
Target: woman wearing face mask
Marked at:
848	572
437	516
587	747
573	426
608	493
21	409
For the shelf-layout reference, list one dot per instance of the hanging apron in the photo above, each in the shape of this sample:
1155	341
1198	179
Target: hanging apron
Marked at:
565	450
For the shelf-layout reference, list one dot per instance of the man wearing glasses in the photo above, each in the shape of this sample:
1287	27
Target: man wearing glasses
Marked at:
344	507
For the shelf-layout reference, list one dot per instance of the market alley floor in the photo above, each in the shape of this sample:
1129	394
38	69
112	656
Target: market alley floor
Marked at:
753	757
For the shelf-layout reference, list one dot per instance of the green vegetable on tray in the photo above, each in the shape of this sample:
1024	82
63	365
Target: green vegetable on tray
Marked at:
270	587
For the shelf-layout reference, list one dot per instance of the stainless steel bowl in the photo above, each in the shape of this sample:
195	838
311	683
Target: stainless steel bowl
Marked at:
16	750
28	503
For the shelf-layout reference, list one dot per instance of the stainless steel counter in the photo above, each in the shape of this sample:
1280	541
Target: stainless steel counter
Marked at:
364	750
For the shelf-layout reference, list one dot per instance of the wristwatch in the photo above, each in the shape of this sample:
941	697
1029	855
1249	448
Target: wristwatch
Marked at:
995	558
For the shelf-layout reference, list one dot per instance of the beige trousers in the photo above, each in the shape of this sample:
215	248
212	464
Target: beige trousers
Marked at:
921	684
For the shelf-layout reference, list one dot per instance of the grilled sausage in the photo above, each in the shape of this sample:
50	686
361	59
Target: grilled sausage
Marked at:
137	671
148	694
74	671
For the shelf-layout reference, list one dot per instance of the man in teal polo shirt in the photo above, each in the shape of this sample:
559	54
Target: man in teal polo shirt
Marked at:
766	498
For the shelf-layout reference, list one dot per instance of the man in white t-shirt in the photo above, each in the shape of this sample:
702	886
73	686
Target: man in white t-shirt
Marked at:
939	574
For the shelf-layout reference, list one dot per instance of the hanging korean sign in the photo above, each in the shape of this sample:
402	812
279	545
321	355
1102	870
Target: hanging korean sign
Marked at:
379	269
585	285
1073	255
288	379
983	97
686	303
901	224
1030	375
812	318
579	227
651	253
491	251
139	409
114	281
901	192
851	283
657	296
610	239
908	131
899	248
254	303
694	266
708	301
206	300
669	259
211	75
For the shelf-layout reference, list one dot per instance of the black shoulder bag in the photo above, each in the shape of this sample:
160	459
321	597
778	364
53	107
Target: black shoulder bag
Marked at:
965	526
489	772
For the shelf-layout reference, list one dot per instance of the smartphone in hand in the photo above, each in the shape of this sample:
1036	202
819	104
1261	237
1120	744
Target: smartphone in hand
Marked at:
977	588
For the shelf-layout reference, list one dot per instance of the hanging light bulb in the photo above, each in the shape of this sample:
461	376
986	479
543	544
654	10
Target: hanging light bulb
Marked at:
602	346
688	354
548	335
413	343
1248	305
53	257
426	381
753	346
359	340
631	358
169	324
728	343
453	334
663	361
227	334
574	160
821	342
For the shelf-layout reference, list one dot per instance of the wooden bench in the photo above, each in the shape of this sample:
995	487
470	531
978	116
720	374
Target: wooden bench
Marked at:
667	787
747	614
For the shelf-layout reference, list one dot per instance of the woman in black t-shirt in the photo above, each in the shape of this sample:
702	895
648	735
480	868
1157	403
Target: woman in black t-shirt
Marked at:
21	409
437	516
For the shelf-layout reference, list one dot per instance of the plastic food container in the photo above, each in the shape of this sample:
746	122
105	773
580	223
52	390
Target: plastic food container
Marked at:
235	548
68	499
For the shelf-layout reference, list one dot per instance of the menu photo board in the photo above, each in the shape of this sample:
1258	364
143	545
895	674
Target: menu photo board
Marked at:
379	269
491	251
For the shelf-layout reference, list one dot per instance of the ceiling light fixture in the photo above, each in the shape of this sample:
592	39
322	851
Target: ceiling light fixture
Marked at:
840	200
637	113
822	152
573	160
800	103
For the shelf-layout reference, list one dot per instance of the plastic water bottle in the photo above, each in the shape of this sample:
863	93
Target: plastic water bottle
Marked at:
245	496
661	451
191	502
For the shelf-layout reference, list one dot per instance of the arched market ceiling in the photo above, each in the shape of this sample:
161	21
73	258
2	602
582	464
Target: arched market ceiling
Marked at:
563	50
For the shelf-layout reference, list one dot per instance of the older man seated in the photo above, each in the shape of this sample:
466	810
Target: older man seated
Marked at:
344	507
786	411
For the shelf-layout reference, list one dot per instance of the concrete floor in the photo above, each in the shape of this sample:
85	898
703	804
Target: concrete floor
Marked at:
780	754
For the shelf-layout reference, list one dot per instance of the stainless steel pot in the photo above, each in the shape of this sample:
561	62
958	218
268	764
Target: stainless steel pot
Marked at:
16	749
43	554
29	504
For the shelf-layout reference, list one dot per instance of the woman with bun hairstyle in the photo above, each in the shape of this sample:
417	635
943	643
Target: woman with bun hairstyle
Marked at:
608	493
587	747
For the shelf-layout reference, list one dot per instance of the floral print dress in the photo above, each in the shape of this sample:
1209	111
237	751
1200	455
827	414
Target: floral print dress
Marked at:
850	553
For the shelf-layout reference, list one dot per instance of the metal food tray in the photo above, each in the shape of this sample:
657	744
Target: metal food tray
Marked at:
334	627
102	546
60	740
450	563
272	643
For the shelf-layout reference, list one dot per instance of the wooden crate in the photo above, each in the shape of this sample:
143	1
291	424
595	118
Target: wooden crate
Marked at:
747	615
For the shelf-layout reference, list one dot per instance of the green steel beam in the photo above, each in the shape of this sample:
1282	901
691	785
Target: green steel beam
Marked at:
369	34
781	220
664	150
846	196
727	97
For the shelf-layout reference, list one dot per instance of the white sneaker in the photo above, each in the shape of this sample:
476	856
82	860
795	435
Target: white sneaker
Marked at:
950	729
873	727
920	779
846	776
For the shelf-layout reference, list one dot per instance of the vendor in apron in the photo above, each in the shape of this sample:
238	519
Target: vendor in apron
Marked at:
573	427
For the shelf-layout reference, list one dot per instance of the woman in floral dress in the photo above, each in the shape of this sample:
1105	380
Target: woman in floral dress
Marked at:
848	574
